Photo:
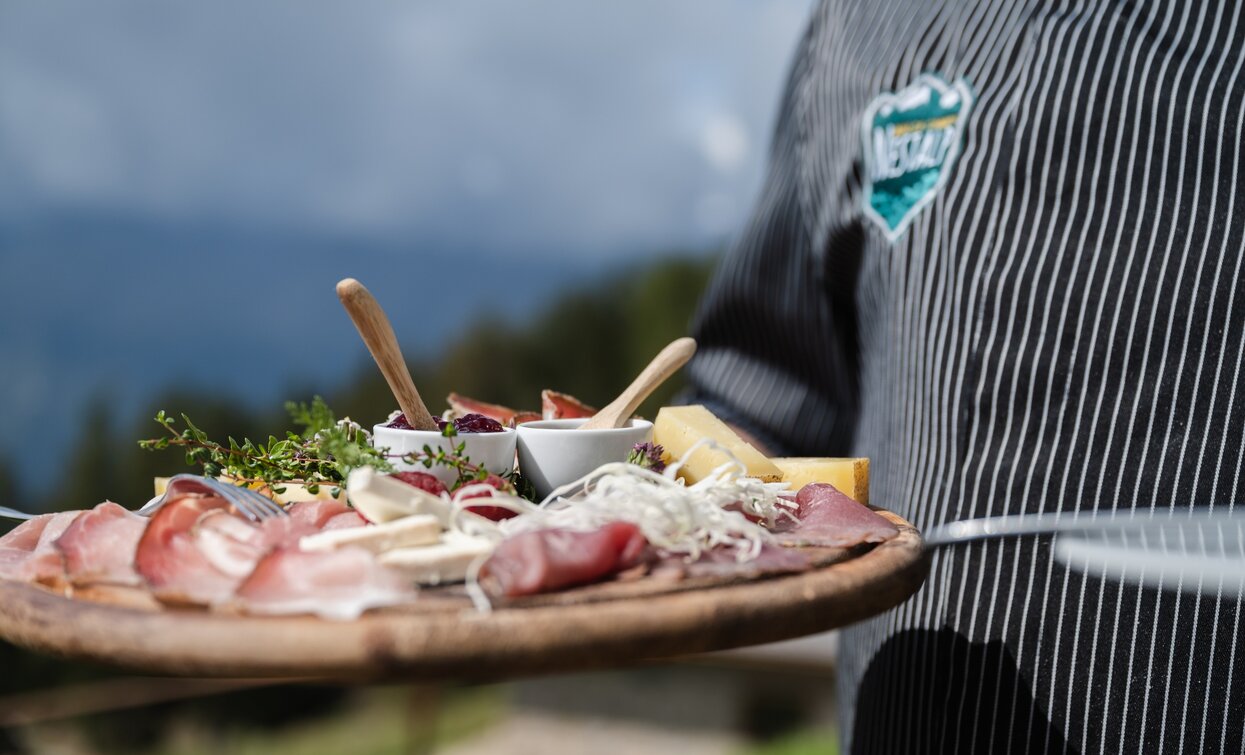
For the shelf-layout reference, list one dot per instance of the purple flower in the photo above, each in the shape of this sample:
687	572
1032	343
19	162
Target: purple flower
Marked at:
648	456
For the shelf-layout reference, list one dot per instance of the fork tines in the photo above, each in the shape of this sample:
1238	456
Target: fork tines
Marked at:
249	503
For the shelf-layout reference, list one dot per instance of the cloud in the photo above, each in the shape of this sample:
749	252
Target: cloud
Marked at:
548	126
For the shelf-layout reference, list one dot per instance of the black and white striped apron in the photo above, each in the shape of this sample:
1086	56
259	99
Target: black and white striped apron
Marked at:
1062	327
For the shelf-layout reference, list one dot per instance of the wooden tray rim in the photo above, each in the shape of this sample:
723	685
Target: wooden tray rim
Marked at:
467	645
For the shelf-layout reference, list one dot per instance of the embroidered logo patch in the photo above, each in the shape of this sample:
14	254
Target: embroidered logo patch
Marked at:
911	140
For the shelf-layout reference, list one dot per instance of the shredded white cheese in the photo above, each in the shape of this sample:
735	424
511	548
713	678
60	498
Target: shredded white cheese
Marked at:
676	518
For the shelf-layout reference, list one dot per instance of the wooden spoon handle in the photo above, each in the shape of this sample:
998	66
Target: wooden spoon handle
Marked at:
377	333
666	363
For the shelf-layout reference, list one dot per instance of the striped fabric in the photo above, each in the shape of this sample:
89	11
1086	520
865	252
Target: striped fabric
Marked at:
1062	328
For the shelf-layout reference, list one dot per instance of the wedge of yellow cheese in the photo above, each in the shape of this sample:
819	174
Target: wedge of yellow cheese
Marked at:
850	476
678	428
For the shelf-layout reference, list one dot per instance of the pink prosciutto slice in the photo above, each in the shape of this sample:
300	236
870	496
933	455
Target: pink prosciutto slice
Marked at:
170	561
339	584
546	560
28	552
316	513
344	520
310	517
554	405
829	518
98	547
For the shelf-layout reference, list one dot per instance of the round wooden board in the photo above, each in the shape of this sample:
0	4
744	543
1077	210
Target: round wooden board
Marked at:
613	625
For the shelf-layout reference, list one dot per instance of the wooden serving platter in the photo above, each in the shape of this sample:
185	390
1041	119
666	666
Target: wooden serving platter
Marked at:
441	637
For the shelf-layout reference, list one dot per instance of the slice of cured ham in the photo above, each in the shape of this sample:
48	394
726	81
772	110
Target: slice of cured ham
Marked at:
554	405
344	520
546	560
98	547
462	405
317	513
723	561
177	570
196	551
29	553
339	584
829	518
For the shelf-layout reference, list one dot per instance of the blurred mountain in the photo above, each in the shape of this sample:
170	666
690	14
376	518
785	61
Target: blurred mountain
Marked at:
111	311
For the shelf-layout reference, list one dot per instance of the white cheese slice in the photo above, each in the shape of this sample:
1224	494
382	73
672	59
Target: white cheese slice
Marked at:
377	538
447	561
381	498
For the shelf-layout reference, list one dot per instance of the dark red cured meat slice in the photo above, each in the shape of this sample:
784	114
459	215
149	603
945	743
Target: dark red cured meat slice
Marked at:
339	584
554	405
170	561
492	513
723	561
98	547
422	480
464	405
547	560
522	417
28	552
831	519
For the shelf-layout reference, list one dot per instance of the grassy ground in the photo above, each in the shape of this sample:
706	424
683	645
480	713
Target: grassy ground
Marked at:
807	742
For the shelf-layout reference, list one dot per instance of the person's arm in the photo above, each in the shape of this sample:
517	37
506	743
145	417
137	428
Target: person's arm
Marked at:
776	331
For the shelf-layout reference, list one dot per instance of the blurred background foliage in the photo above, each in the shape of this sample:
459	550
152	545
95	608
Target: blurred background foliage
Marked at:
588	342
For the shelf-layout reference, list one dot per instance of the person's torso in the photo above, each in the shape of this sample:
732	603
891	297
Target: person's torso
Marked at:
1042	210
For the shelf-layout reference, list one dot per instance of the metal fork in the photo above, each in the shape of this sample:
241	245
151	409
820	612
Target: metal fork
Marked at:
247	502
250	504
8	513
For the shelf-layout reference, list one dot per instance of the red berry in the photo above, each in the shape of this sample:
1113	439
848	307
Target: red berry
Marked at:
423	481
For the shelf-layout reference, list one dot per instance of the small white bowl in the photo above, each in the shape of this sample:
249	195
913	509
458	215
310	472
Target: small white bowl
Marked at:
493	451
553	452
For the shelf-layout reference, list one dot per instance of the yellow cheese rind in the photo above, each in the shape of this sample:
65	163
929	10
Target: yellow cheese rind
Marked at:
678	428
850	476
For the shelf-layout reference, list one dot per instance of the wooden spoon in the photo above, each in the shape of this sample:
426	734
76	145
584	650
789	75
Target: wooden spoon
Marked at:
377	333
665	364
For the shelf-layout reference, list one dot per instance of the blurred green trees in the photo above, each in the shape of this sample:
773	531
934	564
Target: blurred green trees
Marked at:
590	342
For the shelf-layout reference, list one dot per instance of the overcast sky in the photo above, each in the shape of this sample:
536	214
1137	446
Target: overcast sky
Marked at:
602	128
236	150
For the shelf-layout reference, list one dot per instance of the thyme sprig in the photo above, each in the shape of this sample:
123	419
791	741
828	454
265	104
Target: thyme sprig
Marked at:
323	453
456	458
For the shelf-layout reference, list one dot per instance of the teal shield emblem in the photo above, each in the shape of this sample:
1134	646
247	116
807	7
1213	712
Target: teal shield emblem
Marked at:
911	141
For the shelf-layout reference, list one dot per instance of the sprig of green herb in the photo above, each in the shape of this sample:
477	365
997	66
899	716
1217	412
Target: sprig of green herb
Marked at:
323	452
